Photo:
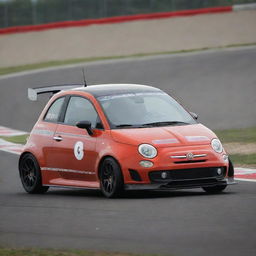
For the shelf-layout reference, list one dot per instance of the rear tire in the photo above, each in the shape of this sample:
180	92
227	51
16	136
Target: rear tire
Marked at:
111	178
214	189
30	175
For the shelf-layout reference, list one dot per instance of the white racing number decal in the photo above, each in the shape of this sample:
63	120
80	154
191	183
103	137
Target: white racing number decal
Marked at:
79	150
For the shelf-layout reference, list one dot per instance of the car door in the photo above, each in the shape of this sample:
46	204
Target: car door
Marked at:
74	150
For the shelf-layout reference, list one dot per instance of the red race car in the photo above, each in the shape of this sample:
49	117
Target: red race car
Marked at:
117	137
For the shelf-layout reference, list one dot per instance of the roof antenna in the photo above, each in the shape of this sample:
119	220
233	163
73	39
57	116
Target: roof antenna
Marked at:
85	84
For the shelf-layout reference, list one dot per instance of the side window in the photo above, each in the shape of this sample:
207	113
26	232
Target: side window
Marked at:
81	109
53	112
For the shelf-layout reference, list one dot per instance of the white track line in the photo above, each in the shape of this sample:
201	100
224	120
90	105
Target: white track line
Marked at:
250	180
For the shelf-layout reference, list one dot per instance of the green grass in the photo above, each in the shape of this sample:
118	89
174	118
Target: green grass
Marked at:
8	70
44	252
21	139
245	135
243	159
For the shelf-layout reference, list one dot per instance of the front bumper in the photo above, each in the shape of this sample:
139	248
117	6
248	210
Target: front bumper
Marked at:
182	184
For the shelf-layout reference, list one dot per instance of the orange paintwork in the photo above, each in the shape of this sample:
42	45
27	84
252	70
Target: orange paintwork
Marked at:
121	144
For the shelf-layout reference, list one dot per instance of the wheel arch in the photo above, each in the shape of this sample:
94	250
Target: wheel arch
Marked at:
37	185
25	153
101	162
37	155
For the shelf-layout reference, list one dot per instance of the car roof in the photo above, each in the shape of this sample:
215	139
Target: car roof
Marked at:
112	89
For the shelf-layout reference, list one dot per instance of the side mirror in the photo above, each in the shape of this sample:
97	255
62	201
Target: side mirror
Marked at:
85	125
194	115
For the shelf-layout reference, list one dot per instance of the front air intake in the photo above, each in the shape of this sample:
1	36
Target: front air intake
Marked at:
135	175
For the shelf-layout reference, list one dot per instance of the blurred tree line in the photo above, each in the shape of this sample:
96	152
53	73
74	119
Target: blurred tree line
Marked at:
27	12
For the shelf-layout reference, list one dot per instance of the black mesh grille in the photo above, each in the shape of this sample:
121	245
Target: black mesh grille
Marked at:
187	174
193	183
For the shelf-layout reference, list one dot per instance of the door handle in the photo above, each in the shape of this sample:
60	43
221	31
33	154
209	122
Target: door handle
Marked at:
57	138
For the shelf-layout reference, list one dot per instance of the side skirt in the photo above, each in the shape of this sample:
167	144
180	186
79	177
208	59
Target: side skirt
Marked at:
70	187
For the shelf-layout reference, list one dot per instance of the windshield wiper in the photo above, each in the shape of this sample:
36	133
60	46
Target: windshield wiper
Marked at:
123	125
164	123
128	125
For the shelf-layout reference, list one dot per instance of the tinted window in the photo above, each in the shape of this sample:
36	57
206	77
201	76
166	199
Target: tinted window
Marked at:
53	112
80	109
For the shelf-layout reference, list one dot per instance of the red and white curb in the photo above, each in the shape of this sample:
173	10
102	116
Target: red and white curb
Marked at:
243	174
5	131
11	147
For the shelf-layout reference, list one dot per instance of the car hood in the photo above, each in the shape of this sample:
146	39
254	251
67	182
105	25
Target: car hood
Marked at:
195	134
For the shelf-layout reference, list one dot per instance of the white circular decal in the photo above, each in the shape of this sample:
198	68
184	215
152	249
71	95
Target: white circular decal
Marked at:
79	150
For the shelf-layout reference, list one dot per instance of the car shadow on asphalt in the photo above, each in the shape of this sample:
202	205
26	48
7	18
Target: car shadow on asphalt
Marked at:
134	194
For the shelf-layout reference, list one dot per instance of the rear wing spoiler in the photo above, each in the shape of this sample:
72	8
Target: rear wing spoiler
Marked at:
33	92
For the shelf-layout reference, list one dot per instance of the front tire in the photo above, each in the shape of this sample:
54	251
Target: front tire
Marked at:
214	189
30	175
230	169
111	178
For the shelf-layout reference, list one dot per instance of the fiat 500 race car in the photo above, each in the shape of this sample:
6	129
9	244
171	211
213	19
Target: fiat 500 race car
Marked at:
120	137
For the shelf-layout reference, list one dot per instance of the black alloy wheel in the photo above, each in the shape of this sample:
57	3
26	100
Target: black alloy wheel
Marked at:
111	179
30	175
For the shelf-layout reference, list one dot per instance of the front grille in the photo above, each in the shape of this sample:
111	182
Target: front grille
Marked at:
190	161
193	183
187	174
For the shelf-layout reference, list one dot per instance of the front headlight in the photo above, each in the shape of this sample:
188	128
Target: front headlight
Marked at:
216	145
148	151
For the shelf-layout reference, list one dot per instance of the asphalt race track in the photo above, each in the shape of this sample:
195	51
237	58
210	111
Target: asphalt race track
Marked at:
220	86
178	223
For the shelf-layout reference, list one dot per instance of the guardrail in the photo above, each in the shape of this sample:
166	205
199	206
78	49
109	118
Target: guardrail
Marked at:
119	19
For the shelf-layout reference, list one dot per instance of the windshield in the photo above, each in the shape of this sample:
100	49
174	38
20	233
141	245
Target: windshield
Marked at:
144	110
